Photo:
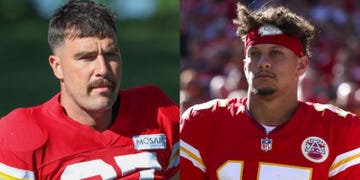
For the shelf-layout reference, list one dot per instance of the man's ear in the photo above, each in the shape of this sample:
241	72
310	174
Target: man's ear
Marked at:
56	66
303	63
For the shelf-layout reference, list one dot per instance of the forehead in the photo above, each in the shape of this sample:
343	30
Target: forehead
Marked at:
266	46
91	42
86	44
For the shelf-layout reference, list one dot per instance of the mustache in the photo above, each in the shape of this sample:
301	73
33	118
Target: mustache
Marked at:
101	83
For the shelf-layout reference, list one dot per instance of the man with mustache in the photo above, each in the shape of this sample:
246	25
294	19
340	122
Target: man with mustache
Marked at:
91	129
270	134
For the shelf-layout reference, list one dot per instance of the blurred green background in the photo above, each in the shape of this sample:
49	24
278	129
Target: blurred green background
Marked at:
148	40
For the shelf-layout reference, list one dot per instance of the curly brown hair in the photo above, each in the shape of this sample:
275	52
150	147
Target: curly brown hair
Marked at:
287	21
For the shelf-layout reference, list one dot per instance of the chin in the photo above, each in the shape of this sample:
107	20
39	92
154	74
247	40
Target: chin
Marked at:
99	108
102	104
265	91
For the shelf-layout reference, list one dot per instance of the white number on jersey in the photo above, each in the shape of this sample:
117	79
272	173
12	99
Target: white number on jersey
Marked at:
127	164
233	170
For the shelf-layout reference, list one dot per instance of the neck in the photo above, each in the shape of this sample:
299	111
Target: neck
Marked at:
99	120
271	111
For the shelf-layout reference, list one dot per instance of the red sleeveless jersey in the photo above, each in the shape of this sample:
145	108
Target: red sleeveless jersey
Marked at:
41	142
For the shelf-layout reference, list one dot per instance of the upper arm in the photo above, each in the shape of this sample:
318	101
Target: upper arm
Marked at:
20	137
13	166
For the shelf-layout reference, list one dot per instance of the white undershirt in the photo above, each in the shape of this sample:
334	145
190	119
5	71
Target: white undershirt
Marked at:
268	129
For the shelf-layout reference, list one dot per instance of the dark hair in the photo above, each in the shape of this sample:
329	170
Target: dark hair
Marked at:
288	22
80	18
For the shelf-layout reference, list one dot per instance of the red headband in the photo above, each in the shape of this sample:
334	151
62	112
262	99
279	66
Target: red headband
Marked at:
270	34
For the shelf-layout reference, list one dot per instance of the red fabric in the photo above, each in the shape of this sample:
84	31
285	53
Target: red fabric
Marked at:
44	140
228	141
293	43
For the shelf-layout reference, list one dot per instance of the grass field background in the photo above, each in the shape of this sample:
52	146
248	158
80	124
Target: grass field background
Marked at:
149	47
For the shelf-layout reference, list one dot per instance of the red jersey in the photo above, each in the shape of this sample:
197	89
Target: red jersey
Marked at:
41	142
220	140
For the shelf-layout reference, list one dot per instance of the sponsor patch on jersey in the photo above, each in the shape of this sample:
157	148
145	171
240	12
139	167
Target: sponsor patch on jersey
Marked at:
149	141
315	149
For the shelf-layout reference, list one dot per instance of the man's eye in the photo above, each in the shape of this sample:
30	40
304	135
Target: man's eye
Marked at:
89	58
254	54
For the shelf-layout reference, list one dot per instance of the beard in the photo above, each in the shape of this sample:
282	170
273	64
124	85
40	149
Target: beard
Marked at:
265	91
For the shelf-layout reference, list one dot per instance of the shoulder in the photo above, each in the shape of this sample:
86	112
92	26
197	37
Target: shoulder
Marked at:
328	110
143	89
332	117
208	115
144	93
342	127
149	101
147	98
20	131
215	106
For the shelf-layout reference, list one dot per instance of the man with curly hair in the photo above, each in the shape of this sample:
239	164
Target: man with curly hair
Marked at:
270	134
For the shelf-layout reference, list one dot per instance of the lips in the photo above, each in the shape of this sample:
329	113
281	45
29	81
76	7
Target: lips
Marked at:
263	74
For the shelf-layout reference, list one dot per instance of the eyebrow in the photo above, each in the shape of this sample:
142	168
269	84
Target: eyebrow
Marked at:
110	48
273	46
84	53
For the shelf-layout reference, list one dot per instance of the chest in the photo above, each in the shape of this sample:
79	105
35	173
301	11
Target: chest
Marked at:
107	155
242	150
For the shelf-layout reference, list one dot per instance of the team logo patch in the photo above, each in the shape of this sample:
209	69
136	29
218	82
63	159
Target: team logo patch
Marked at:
268	30
149	141
315	149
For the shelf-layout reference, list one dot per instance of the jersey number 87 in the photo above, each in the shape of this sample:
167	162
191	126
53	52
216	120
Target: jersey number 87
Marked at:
127	164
